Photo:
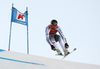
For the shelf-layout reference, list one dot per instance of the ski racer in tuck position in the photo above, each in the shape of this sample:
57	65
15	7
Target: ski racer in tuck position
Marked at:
52	38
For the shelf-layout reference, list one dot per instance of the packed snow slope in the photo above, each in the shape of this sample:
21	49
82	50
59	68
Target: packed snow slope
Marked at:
14	60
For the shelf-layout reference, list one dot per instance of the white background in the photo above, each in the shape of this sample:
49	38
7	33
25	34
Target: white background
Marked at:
78	19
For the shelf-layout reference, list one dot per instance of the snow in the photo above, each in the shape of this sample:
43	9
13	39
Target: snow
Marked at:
14	60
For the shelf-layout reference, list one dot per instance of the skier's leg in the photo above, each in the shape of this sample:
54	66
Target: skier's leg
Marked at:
56	46
62	43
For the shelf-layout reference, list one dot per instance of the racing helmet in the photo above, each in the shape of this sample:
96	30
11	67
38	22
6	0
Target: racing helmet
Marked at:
54	24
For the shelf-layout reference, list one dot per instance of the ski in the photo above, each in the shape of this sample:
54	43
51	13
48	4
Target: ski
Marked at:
58	55
69	53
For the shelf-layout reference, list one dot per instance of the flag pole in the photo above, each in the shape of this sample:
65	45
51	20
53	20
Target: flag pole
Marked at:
27	32
10	32
10	36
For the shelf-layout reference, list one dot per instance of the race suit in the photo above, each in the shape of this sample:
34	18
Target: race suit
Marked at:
52	37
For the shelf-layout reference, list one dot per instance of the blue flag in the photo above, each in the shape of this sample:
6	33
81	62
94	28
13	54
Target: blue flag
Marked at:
18	17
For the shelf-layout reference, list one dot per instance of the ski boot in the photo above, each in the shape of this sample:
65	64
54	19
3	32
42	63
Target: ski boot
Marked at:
59	52
66	52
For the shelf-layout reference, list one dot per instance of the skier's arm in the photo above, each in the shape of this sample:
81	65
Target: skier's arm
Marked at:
48	40
47	35
63	37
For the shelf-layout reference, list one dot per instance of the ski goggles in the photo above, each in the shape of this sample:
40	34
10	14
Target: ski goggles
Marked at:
54	25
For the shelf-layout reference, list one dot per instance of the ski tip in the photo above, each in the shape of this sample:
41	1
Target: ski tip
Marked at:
74	49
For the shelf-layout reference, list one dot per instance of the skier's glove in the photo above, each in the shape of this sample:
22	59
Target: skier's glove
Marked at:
66	45
53	48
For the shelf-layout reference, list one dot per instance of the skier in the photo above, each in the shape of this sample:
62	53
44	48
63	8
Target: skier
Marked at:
52	38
